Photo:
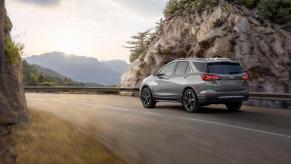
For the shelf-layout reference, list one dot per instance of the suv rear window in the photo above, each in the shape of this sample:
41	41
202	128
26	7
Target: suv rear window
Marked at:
201	67
224	68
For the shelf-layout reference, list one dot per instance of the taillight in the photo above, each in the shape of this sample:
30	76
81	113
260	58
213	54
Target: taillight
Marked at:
207	77
245	76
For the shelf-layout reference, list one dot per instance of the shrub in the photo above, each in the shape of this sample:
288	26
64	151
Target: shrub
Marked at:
13	51
250	3
171	7
278	11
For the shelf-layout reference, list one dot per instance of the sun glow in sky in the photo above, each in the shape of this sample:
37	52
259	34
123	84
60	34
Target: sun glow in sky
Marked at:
94	28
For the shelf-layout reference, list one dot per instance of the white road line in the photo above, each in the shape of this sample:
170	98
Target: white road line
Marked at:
238	127
37	99
200	120
87	104
185	118
105	106
58	101
120	109
61	101
115	108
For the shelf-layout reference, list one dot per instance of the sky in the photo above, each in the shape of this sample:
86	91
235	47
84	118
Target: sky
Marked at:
93	28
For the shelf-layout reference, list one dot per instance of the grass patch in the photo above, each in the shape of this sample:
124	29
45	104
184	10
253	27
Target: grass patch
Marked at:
47	139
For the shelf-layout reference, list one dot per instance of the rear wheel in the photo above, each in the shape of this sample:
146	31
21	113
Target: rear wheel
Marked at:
234	107
190	102
147	98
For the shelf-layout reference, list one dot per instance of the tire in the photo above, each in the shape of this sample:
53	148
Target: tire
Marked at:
189	101
147	98
234	107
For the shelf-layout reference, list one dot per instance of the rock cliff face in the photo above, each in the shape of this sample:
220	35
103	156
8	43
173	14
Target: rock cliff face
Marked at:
13	107
226	30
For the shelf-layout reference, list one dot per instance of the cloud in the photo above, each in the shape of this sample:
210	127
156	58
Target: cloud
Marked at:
41	2
149	8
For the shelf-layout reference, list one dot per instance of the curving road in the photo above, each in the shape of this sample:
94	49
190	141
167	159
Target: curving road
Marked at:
167	134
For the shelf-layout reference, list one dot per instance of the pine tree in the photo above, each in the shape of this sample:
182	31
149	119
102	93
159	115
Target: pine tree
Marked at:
138	44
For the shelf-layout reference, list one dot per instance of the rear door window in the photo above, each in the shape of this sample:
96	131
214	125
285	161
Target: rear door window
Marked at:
181	68
224	68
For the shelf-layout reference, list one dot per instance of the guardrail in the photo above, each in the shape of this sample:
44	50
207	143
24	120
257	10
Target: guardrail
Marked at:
270	96
80	89
253	95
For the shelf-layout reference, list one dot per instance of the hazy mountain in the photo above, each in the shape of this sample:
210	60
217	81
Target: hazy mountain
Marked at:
48	72
116	65
35	75
83	69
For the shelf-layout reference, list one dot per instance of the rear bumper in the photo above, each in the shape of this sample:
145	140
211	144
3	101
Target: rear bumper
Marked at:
222	97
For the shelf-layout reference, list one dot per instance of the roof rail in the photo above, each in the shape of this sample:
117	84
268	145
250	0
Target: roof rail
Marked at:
181	59
219	59
207	59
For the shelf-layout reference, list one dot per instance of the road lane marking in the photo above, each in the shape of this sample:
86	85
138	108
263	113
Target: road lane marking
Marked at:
37	99
106	107
238	127
61	101
200	120
184	118
87	104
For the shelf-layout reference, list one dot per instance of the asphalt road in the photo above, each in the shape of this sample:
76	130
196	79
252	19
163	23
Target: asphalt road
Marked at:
167	134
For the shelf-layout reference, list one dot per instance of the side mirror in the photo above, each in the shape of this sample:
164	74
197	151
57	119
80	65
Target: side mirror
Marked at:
155	73
161	75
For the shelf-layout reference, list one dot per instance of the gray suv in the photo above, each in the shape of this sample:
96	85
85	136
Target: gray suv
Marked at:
197	82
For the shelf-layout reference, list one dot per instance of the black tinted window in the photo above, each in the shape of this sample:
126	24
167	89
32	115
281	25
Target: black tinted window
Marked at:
168	69
181	68
225	68
201	67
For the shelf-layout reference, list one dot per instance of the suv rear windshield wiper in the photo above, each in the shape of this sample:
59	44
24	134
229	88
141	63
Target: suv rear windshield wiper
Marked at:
234	72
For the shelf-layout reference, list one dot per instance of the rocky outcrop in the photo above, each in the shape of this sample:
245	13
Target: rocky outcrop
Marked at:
225	30
13	108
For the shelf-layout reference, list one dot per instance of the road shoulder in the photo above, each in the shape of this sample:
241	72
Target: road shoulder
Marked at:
48	139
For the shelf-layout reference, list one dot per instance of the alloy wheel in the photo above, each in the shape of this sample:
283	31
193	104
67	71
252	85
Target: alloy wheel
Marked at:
147	99
189	101
146	96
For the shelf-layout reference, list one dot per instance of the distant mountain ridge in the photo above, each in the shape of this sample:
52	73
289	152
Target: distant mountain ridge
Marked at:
48	72
80	68
35	75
